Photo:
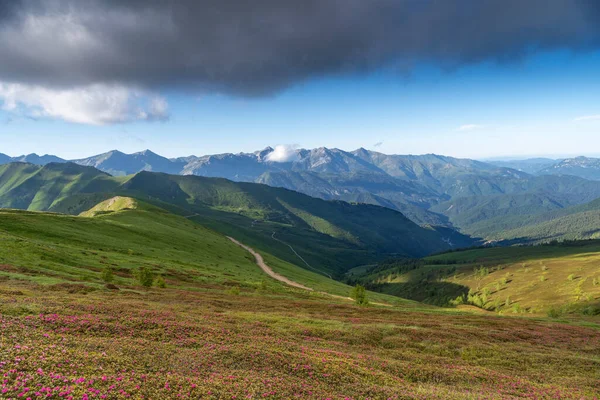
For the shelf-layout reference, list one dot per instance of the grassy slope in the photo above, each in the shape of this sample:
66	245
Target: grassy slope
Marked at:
555	279
40	188
533	279
62	331
53	248
173	344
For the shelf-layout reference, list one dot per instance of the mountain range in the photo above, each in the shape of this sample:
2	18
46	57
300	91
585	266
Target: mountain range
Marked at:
432	190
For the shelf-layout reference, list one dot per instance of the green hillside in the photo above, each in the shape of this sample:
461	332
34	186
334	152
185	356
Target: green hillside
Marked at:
39	188
571	223
123	234
550	279
219	327
325	236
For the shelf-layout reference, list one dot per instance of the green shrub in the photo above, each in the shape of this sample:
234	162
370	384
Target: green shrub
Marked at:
543	278
160	282
144	276
458	301
108	275
477	300
591	310
571	277
359	294
262	287
497	304
481	271
544	268
554	312
234	290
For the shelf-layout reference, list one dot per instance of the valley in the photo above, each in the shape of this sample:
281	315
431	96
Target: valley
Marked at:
219	327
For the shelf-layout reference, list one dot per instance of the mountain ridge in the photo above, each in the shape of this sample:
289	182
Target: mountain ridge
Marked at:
429	189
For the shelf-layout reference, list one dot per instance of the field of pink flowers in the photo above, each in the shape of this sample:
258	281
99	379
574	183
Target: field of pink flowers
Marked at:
58	343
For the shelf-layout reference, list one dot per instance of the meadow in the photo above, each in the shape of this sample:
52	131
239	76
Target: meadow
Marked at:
65	341
219	328
556	280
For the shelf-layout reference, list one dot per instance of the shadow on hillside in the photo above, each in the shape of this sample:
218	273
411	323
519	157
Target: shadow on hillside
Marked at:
429	292
523	241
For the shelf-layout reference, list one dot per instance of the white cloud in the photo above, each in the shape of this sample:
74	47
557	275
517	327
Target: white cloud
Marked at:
469	127
588	118
97	104
283	153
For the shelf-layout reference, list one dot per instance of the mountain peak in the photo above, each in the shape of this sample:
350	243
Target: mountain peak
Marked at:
146	152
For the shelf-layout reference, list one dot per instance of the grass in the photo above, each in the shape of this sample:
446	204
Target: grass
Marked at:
222	329
126	234
173	343
538	278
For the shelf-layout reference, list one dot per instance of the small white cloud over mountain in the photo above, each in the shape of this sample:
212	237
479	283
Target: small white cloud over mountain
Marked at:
283	153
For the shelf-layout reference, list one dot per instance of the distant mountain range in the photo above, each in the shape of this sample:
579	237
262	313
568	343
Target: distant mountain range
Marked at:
476	197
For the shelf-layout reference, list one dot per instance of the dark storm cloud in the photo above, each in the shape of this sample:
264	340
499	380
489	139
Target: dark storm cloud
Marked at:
261	46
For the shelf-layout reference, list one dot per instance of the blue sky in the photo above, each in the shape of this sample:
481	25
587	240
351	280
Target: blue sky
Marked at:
546	103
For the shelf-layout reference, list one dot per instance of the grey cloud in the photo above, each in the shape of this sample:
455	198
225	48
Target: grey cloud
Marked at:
259	47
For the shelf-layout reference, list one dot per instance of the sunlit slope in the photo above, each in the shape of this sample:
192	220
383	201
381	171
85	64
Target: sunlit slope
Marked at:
551	278
53	248
40	188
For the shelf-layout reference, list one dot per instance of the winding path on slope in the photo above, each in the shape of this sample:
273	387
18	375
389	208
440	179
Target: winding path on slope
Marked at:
261	263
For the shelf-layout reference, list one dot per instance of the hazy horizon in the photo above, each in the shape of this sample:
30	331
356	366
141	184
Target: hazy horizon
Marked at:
484	159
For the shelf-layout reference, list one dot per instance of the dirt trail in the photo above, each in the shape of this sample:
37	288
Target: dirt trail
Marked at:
261	263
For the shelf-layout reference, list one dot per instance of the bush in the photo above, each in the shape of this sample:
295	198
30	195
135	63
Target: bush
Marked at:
591	310
160	282
262	287
554	312
145	276
481	271
458	301
359	294
571	277
542	278
108	275
234	290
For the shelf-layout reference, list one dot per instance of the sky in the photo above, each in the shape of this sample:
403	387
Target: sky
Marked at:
478	79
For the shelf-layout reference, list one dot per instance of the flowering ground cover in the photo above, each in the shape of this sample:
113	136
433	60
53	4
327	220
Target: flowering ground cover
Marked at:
219	330
58	342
